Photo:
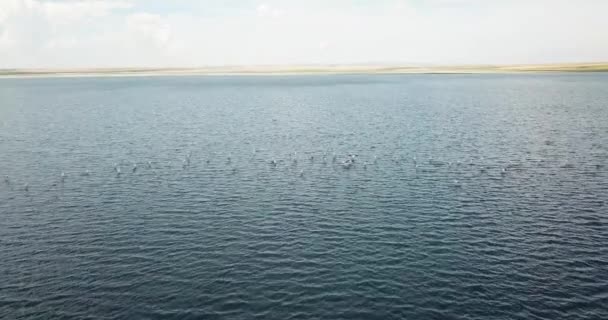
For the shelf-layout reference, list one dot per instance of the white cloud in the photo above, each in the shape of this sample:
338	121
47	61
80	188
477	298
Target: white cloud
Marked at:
38	33
60	11
69	11
149	28
265	10
33	30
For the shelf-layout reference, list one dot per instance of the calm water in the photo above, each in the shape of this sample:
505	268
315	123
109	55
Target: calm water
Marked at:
470	197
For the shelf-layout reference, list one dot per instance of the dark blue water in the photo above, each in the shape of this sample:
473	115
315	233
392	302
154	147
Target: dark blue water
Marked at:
464	197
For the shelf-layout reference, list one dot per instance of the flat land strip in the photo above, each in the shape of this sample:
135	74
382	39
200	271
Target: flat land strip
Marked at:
308	69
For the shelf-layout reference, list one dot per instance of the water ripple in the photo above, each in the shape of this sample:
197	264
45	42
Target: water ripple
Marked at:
468	197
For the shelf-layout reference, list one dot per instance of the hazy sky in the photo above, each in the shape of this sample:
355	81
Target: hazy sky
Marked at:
106	33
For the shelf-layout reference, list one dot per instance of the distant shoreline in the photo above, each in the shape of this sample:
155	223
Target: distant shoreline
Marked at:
305	70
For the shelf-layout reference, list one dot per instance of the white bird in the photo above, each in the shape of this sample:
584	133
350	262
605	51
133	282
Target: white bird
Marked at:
149	165
62	176
134	167
347	164
273	163
301	173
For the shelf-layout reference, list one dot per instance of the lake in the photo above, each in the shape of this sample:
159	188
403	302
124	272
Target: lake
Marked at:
305	197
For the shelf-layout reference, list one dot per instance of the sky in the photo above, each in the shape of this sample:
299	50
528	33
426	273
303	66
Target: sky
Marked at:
190	33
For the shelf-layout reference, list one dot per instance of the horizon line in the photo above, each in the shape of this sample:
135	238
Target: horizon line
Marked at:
312	64
294	69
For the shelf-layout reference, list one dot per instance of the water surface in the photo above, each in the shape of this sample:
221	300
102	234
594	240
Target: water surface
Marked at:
471	197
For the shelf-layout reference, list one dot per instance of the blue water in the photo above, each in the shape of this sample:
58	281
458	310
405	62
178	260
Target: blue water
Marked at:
470	197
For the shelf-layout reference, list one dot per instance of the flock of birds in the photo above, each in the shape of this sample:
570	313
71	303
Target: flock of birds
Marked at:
347	162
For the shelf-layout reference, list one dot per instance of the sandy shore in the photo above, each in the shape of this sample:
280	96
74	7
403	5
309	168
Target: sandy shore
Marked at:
305	69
